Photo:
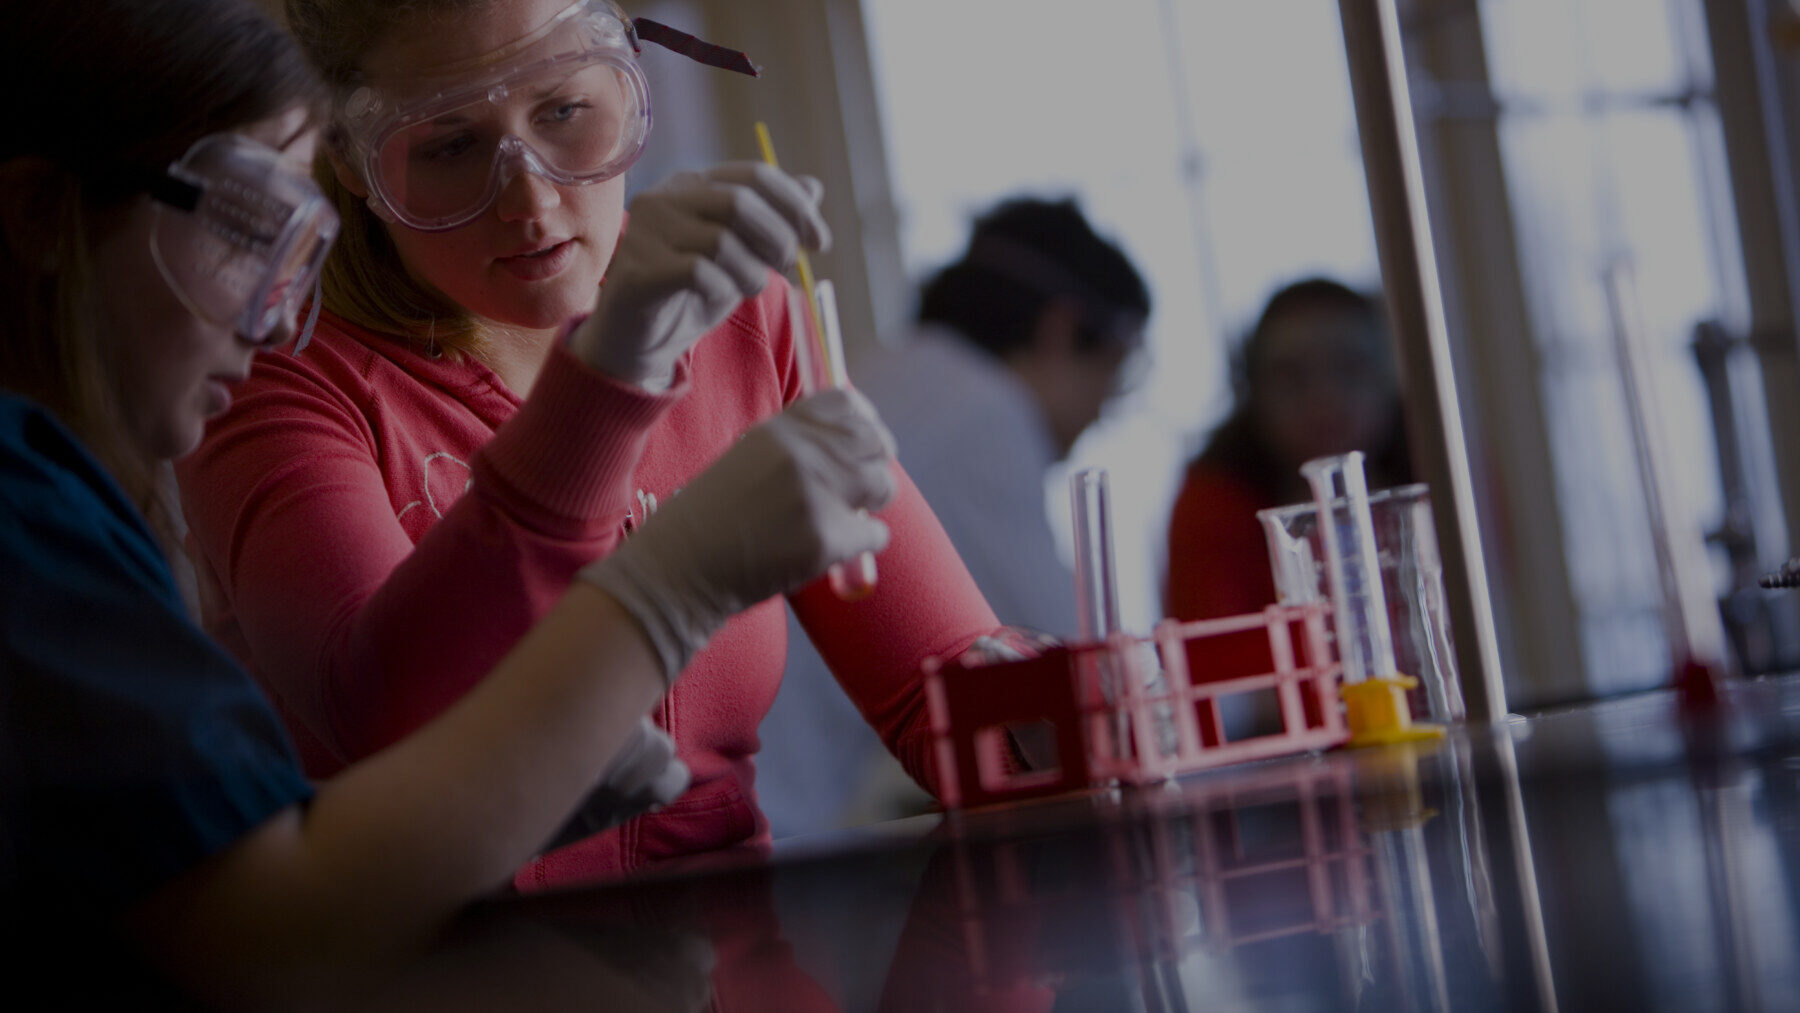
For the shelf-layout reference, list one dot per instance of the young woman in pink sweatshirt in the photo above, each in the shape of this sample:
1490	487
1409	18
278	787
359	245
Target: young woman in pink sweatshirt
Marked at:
475	154
157	230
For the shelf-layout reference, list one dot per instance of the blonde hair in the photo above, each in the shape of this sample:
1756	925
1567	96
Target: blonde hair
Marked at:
367	284
365	281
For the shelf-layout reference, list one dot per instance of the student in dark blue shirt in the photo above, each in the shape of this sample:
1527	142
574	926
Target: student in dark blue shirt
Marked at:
157	229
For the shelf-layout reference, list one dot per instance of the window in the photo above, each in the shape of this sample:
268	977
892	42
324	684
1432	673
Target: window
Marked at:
1215	142
1608	136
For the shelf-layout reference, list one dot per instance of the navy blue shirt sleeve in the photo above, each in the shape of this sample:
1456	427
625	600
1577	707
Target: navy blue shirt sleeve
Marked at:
131	746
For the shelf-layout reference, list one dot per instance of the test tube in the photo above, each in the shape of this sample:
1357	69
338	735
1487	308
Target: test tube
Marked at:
854	580
1097	600
1096	589
1364	642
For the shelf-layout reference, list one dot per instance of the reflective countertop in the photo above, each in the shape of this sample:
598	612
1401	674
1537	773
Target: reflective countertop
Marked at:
1623	855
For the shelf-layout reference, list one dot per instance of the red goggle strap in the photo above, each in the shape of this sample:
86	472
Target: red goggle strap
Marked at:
691	47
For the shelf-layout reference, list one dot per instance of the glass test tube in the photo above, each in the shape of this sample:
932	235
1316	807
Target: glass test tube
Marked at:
1364	641
853	580
1097	600
1096	589
856	579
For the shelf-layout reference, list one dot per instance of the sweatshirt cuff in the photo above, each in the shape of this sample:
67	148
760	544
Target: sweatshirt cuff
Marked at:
572	448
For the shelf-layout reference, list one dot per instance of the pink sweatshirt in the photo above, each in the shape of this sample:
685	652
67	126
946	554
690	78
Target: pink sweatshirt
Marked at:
375	528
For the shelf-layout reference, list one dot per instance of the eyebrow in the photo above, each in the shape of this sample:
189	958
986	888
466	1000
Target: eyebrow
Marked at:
456	118
544	91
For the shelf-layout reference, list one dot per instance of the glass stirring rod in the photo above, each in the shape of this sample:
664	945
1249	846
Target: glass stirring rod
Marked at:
823	365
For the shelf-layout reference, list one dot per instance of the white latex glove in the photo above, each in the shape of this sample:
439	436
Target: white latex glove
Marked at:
767	517
695	247
645	776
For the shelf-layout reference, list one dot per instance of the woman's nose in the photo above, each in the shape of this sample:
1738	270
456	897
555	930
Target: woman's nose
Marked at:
525	196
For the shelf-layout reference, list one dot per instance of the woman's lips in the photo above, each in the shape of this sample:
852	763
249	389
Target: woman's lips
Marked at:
536	266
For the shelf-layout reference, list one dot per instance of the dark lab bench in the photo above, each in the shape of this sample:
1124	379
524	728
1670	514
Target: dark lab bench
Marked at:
1621	855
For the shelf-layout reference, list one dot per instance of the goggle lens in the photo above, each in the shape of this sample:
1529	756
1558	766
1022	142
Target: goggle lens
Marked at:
250	246
580	124
293	279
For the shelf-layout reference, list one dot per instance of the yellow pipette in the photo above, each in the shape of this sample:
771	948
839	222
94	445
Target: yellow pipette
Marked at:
807	287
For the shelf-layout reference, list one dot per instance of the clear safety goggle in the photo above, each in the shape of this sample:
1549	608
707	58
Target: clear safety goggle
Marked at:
240	237
567	102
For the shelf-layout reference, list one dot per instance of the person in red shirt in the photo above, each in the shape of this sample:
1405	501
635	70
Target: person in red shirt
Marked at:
475	155
1314	378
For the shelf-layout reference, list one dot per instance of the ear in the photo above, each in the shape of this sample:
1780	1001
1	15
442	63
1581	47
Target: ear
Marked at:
28	206
1058	328
346	175
1238	364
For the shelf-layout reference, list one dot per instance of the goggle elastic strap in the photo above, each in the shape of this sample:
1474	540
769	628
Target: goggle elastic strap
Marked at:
312	315
176	193
687	45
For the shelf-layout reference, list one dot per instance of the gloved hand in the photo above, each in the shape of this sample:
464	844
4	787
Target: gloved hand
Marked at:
767	517
644	776
695	247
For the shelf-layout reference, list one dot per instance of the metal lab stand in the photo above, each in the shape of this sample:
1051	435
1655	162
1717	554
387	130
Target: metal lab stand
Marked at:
1391	165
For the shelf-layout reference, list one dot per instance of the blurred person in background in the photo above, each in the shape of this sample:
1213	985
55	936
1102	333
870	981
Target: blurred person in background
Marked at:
1315	378
1018	346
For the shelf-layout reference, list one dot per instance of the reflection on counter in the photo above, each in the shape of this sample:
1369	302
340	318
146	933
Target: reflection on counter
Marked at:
1329	877
1613	856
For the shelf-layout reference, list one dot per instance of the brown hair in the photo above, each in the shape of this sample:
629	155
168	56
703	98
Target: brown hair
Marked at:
1238	444
364	279
1023	253
121	88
